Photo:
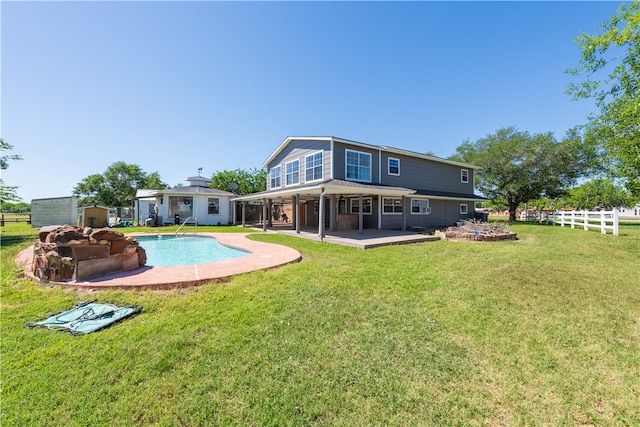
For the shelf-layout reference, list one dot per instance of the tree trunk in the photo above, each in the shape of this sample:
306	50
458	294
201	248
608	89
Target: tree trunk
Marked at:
513	206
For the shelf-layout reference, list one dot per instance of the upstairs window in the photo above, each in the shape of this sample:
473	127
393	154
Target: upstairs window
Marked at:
292	173
313	167
358	165
394	166
464	175
276	177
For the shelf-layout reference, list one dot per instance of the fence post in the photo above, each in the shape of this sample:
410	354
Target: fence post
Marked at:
585	220
615	216
603	223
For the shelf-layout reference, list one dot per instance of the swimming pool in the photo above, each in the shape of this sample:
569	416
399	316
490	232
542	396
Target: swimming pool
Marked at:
170	251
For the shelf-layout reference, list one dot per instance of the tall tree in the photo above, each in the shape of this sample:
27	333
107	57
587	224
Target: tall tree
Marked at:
4	158
8	193
117	186
600	192
518	167
609	67
247	181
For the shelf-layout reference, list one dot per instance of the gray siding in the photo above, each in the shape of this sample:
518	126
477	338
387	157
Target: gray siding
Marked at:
423	174
298	150
443	213
339	161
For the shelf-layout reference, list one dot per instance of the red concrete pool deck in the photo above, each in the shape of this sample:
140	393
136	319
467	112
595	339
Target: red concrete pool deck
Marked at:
262	256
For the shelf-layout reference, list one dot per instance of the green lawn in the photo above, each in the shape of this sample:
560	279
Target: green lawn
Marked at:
541	331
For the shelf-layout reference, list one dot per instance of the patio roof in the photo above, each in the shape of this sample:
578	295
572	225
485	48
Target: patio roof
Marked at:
329	187
445	195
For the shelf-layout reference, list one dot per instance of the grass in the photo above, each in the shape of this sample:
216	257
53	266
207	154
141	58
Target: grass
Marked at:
541	331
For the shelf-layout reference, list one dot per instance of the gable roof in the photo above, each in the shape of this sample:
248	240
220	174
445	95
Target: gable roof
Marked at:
393	150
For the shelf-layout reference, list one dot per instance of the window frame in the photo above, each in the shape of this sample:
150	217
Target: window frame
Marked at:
393	206
314	167
464	176
353	203
209	202
427	210
288	174
278	178
464	209
346	165
389	166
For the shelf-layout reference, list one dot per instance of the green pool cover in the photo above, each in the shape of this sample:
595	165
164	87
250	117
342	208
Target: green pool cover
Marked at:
86	317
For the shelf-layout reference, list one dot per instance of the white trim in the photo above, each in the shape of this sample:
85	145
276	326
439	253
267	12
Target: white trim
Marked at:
391	198
463	176
389	166
466	209
428	207
270	178
321	152
346	165
285	173
219	205
356	200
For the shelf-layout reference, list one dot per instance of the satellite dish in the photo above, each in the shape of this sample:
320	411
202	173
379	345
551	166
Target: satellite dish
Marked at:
232	186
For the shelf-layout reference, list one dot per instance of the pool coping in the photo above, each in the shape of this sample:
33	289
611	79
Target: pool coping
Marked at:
262	256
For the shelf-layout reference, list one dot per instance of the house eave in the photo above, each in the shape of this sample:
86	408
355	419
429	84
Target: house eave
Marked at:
332	187
393	150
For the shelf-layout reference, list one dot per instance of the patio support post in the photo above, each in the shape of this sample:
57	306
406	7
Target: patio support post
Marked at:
233	213
332	213
297	212
264	214
269	216
321	216
360	216
404	213
243	213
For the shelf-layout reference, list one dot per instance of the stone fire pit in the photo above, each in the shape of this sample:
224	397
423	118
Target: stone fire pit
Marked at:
66	253
480	231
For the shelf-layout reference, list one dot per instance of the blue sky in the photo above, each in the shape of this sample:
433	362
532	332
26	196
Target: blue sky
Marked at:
175	86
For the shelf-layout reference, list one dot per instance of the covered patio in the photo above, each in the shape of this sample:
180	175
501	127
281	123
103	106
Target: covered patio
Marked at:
331	211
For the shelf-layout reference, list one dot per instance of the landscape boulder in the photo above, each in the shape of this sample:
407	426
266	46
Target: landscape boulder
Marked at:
66	253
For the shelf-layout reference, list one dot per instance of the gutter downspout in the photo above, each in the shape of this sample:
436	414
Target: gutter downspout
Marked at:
321	214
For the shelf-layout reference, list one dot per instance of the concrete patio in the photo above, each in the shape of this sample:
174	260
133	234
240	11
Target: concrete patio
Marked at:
370	238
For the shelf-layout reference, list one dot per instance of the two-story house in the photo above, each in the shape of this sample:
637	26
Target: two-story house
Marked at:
337	184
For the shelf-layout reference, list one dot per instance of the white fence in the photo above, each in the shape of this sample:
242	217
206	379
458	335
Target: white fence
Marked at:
604	220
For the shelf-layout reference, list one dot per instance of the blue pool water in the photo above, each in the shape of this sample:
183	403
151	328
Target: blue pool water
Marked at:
169	251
